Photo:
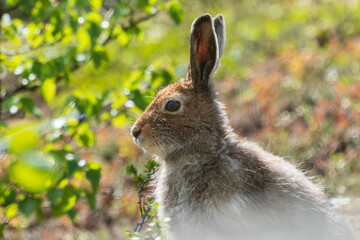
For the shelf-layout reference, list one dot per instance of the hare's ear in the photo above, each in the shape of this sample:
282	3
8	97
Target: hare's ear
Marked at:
203	51
219	24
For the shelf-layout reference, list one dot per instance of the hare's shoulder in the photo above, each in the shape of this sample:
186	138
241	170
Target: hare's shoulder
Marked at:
282	174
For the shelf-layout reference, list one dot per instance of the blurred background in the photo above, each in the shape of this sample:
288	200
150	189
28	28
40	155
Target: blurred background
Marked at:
75	74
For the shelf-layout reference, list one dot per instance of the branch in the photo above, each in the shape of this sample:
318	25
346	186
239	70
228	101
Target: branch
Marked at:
22	88
144	212
17	89
28	48
131	25
9	9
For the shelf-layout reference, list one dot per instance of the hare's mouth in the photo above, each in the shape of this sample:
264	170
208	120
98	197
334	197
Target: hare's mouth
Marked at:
145	145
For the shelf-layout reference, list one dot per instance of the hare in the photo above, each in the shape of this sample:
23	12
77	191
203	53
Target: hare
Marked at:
213	184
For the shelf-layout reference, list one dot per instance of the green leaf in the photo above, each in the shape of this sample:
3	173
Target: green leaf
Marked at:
138	99
69	198
176	11
40	213
28	105
122	9
131	169
2	126
99	56
94	30
48	89
93	175
85	136
119	120
23	139
67	202
83	39
95	4
151	164
2	227
91	198
72	166
123	37
72	215
34	171
11	210
55	196
7	194
28	206
43	70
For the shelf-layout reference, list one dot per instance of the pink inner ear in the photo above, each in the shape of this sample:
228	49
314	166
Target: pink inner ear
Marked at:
203	40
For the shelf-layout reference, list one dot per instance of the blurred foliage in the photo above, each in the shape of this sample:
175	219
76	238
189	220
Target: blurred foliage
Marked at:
74	74
43	43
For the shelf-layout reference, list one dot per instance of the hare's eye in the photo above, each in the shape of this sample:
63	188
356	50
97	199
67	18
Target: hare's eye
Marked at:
172	106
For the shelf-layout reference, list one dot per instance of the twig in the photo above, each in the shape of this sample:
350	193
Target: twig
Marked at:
144	212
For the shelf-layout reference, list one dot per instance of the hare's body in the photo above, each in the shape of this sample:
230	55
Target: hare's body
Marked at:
245	193
213	184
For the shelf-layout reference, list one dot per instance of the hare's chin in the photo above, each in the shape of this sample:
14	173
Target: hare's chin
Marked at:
139	141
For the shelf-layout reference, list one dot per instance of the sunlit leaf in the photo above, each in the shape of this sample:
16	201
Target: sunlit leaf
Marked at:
176	11
123	38
22	139
11	210
34	171
84	136
7	194
83	39
119	121
95	4
48	89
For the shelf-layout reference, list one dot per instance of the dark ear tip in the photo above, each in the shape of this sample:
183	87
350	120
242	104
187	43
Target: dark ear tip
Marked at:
205	15
202	18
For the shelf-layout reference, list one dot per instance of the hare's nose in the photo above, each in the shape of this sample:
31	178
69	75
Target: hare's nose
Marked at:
136	132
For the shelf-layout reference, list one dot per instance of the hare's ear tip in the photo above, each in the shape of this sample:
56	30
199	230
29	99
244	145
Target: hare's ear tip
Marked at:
220	16
200	20
205	16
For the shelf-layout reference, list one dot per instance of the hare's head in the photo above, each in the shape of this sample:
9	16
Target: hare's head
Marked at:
183	113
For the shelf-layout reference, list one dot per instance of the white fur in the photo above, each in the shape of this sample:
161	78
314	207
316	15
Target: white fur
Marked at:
275	217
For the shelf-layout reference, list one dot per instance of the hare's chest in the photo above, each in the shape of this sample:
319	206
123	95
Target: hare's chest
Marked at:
223	222
238	218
